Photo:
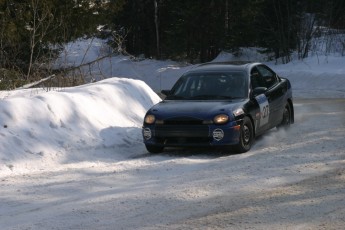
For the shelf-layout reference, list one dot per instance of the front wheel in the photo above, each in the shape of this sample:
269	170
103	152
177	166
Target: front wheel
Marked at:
246	136
154	148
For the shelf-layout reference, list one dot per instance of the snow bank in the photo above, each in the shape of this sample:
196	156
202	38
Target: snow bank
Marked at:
316	76
45	130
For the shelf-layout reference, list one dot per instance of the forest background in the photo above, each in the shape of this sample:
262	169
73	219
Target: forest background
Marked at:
33	32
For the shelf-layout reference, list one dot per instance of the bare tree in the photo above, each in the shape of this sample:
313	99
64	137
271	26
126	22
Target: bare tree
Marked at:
305	34
41	20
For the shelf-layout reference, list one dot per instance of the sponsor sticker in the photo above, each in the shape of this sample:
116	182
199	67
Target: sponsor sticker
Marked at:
264	108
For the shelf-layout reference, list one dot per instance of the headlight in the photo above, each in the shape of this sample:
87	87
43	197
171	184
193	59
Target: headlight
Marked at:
221	119
150	119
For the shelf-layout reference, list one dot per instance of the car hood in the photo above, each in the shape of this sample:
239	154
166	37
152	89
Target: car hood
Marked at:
197	109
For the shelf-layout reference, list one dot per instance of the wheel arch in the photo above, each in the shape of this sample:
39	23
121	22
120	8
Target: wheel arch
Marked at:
253	124
292	111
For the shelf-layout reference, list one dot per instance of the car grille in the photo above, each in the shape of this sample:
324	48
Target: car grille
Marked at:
182	131
183	121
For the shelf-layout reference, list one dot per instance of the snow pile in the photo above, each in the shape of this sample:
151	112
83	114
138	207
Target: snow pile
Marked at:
49	129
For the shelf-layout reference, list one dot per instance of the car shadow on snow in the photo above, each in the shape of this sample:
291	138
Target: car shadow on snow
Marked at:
127	143
205	152
260	142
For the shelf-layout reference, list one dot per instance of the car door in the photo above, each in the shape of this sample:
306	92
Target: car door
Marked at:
275	94
262	112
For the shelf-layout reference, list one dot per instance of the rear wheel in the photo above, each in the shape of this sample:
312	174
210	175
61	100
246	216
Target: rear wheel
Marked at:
286	120
246	136
154	148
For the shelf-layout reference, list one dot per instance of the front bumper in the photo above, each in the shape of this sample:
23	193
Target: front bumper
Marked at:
192	135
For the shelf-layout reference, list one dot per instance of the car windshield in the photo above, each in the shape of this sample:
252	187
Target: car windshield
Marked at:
210	86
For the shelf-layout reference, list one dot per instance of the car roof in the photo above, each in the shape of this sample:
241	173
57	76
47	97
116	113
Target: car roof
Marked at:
224	66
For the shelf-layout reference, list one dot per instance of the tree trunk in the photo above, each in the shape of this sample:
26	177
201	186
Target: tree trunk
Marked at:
157	29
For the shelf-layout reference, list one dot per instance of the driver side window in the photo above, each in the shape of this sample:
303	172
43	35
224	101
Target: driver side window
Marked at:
256	79
269	78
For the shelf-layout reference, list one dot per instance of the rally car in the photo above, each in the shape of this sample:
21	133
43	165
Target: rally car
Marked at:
219	105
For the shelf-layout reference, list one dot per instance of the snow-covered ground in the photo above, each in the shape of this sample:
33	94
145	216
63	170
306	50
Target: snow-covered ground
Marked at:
73	158
316	76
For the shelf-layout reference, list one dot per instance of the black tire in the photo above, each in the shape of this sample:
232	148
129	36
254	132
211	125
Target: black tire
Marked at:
154	148
286	120
246	136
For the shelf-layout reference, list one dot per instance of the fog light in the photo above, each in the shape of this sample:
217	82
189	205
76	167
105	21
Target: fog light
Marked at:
147	133
218	134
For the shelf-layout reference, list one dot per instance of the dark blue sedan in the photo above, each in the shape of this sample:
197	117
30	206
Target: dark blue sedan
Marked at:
219	105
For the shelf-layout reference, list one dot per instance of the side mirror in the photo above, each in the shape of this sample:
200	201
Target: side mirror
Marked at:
258	90
166	92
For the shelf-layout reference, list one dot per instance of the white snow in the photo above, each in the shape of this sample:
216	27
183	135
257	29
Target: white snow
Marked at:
73	158
45	130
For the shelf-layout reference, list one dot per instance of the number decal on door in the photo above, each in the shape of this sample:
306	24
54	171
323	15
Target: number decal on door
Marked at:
264	109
